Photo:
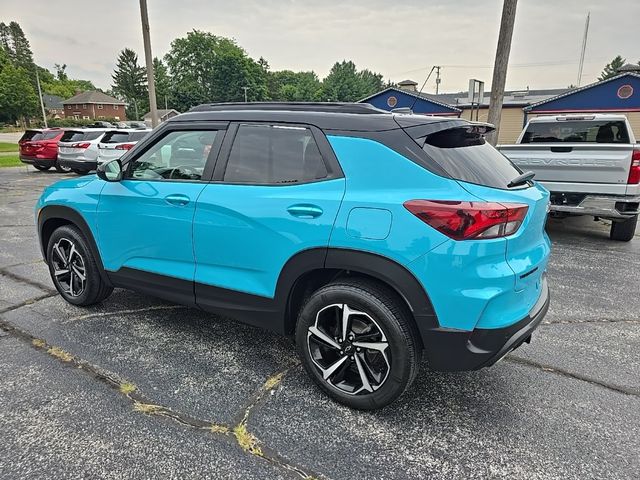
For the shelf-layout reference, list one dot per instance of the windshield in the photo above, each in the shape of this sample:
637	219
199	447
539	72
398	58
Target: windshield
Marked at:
79	135
465	155
601	131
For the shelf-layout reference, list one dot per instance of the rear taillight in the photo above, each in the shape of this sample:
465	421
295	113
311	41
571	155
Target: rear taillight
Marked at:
634	171
125	146
80	145
469	220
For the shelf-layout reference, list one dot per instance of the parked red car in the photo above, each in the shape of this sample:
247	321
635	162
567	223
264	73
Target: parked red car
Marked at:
40	148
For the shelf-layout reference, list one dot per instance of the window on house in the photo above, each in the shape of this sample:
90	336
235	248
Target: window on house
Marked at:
117	118
100	117
84	106
115	107
100	106
86	117
68	107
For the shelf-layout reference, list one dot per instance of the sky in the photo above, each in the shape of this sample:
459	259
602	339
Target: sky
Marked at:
400	39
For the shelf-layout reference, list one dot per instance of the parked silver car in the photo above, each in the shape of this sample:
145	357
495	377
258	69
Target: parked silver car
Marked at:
115	142
78	149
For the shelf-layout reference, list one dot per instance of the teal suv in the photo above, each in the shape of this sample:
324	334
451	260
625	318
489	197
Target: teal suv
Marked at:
375	239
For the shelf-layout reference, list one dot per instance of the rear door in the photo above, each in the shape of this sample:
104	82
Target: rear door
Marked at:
575	151
276	192
109	147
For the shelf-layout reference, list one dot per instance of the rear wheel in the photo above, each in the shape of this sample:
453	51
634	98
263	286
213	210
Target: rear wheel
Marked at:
624	231
358	343
73	268
62	168
42	168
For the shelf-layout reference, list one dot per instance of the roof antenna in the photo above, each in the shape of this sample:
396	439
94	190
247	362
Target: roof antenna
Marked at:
422	88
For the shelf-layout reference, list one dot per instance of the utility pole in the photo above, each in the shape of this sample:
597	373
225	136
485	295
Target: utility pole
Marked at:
584	48
437	79
245	93
149	59
44	114
500	67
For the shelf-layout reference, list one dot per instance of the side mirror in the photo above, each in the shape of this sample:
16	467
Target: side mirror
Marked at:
110	171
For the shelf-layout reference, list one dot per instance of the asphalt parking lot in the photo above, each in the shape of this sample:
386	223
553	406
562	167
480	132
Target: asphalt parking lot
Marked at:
139	388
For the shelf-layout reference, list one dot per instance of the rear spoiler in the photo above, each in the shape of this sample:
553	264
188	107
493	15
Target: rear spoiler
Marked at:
420	129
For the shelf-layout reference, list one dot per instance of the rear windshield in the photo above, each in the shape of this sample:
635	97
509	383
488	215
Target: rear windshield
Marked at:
137	136
77	136
115	137
467	156
36	135
586	131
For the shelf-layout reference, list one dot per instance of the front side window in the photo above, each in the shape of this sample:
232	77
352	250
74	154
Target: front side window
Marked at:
274	154
179	155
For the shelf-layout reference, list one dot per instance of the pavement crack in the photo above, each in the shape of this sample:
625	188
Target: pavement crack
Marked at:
237	434
576	376
29	301
21	279
120	312
592	321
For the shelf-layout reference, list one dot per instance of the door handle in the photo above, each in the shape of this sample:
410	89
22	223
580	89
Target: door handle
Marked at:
177	199
304	210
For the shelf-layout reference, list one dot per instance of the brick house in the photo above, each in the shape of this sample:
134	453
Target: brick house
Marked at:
94	106
53	106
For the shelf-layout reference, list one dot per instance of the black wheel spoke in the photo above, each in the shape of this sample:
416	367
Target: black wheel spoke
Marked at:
69	271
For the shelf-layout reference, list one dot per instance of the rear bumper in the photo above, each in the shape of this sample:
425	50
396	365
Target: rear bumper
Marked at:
43	162
606	206
455	350
83	165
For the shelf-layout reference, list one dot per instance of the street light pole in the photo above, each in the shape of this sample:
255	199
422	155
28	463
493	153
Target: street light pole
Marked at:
44	114
245	93
149	59
500	67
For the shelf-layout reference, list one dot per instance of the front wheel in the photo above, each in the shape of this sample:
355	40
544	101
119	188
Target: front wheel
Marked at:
624	231
42	168
62	168
73	268
358	342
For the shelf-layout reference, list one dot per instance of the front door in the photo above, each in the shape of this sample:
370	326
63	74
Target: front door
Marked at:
145	221
277	195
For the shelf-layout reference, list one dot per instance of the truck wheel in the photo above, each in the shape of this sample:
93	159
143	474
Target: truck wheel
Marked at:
73	269
625	230
358	343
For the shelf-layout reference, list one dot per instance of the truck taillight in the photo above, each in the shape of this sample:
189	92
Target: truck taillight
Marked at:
125	146
80	145
634	171
469	220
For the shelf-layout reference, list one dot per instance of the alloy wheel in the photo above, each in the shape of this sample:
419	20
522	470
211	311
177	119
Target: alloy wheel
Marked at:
68	267
349	349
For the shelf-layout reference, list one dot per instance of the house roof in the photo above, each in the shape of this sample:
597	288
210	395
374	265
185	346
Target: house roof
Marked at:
407	82
162	112
512	98
431	98
581	89
93	97
52	101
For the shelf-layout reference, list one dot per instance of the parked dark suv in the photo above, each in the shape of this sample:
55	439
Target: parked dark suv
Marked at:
373	238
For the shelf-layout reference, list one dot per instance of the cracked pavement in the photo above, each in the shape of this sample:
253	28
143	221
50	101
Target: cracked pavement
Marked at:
140	388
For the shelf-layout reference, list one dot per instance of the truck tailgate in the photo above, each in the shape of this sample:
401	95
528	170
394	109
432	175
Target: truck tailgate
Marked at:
573	162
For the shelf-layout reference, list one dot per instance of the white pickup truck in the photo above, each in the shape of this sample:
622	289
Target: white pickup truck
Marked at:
589	163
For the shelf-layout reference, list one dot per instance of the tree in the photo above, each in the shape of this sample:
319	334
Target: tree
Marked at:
345	84
207	68
611	68
286	85
129	82
61	72
18	98
163	83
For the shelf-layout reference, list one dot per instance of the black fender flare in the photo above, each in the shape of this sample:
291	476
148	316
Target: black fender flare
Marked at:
67	215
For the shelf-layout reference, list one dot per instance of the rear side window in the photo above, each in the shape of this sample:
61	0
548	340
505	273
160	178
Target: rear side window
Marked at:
465	155
72	136
274	154
576	131
115	137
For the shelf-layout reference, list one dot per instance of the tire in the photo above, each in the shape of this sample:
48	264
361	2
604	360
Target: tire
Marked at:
79	172
61	168
375	314
625	230
42	168
94	289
